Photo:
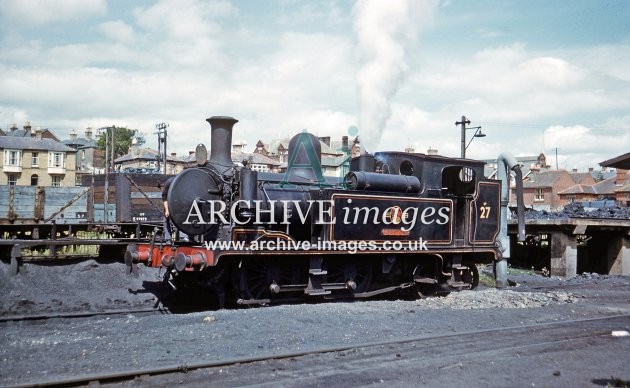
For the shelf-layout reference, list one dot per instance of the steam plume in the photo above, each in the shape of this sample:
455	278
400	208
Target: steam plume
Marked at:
385	30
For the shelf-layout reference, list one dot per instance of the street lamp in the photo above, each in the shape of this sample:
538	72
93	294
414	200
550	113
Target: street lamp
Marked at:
477	133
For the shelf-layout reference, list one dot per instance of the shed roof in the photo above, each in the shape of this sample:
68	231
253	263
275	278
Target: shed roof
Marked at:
621	161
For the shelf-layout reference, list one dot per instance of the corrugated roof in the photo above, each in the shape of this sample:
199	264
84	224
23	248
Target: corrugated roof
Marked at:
31	143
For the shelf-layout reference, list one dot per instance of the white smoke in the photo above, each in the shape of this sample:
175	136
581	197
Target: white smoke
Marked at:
385	30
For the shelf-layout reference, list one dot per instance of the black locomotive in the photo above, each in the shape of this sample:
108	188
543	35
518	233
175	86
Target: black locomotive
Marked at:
396	223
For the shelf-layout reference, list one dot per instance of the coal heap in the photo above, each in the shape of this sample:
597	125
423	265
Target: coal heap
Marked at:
577	210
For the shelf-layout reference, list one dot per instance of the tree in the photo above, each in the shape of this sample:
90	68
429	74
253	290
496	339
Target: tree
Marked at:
122	140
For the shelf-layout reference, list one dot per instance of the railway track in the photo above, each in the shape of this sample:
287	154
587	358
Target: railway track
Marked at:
531	336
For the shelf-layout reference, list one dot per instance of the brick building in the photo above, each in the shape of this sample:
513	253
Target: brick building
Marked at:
541	189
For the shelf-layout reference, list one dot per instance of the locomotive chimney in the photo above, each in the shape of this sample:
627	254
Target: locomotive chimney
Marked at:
221	142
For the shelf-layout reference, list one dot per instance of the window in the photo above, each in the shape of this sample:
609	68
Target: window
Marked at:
55	159
56	181
34	180
406	168
540	195
35	159
12	158
13	179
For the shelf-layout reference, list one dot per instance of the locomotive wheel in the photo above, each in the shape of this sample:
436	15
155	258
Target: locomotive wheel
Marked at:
425	290
358	271
426	279
472	275
255	275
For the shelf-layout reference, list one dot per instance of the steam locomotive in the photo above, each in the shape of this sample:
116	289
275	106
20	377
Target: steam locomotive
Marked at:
397	223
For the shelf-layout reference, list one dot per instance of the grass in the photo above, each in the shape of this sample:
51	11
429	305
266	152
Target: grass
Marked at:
67	250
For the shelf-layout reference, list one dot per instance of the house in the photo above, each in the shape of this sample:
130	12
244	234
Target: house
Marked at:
36	161
89	156
540	189
616	187
146	160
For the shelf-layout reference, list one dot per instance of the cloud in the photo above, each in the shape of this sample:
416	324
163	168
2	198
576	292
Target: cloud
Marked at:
181	62
118	31
23	14
579	139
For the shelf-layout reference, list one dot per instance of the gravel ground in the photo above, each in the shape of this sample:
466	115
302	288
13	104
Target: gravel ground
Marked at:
38	350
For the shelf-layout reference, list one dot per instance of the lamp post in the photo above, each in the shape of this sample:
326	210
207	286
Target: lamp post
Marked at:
478	133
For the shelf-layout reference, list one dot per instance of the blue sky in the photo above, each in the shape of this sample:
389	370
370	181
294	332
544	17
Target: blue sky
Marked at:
534	74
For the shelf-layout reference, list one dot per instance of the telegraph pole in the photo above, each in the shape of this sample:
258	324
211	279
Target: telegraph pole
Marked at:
556	157
106	186
161	132
113	147
463	125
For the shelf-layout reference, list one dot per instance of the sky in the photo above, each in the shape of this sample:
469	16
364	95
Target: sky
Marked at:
537	76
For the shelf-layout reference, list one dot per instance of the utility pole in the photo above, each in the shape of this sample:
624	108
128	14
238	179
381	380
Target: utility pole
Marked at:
556	157
463	124
106	185
113	147
161	132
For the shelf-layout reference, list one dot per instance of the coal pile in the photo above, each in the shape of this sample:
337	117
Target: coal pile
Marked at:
577	210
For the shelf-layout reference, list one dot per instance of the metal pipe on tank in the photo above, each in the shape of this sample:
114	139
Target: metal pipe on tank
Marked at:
221	142
505	163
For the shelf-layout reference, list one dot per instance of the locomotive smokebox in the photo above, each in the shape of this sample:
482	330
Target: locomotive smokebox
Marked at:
221	142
